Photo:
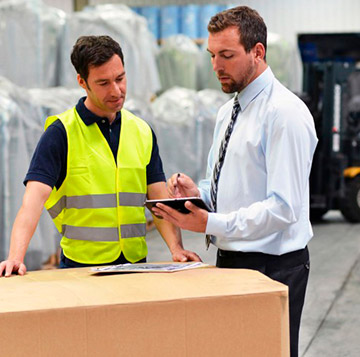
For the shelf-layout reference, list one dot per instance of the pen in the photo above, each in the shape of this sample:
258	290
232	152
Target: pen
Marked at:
176	189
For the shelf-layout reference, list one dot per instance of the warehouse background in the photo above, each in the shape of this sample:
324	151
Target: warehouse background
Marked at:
285	17
172	86
170	79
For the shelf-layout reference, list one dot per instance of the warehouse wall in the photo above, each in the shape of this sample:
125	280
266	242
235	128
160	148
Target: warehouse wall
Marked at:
285	17
289	17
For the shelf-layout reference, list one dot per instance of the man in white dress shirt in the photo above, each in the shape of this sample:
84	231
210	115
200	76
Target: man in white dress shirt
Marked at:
261	218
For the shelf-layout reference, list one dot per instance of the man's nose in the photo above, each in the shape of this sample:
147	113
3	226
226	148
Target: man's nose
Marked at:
115	89
217	64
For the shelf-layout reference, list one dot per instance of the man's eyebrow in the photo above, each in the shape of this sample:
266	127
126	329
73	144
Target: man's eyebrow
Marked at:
222	51
106	79
101	80
121	74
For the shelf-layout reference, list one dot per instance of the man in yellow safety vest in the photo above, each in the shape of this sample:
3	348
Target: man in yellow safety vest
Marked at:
93	168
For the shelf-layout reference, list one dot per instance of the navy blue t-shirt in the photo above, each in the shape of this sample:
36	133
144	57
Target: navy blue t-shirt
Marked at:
49	161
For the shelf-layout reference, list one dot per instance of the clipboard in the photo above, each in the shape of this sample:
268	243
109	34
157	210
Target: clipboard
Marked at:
178	203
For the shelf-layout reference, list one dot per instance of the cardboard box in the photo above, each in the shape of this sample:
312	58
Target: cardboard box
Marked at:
201	312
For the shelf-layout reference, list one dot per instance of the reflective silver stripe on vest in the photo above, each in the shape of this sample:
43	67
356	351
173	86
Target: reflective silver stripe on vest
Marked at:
55	210
97	201
94	234
132	199
133	230
104	234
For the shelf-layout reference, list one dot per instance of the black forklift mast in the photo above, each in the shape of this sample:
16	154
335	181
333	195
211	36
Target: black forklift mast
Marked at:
329	73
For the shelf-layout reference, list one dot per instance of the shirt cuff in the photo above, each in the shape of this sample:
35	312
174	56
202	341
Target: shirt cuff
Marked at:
216	224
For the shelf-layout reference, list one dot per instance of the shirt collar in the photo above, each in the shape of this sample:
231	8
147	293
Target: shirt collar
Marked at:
89	117
252	90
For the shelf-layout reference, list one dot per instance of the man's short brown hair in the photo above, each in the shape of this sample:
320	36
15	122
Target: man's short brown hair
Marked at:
93	51
251	26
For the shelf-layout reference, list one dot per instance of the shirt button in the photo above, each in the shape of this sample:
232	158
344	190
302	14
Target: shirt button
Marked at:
103	121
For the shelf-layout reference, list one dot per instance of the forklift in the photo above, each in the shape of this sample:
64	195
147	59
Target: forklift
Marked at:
331	90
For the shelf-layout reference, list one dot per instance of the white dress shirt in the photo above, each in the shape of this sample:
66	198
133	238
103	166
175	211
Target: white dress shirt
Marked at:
263	189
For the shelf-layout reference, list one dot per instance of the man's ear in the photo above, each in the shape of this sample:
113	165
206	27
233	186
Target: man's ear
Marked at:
81	81
259	51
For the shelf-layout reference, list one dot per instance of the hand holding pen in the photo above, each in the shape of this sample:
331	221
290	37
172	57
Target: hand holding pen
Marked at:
180	185
176	186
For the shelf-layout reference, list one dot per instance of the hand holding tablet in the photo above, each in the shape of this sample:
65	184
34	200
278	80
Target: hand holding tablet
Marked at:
178	203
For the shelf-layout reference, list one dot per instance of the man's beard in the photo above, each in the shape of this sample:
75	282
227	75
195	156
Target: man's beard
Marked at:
233	86
230	87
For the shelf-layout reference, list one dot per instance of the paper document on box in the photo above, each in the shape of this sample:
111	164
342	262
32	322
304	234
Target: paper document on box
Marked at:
148	267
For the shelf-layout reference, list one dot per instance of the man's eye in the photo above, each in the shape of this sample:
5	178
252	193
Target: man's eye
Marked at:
228	56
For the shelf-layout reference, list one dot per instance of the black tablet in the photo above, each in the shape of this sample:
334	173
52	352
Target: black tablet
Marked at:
178	203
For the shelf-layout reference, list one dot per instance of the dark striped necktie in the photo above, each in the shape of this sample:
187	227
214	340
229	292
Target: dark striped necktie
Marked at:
221	158
222	152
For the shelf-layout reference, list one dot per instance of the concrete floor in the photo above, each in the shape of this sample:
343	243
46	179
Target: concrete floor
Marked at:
331	318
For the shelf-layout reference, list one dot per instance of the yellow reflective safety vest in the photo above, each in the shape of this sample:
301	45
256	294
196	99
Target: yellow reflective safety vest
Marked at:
99	208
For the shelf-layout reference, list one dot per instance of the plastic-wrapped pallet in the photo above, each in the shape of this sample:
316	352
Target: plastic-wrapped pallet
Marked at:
55	100
176	112
30	33
284	61
21	125
206	75
178	61
184	124
139	108
211	101
130	30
